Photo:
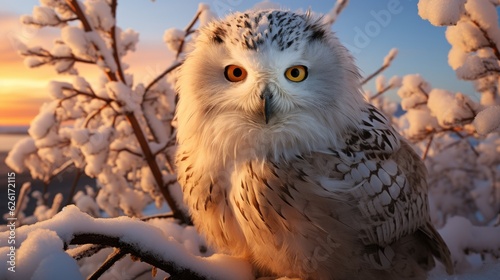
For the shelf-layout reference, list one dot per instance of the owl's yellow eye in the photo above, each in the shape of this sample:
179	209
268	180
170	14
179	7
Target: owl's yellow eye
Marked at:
234	73
296	73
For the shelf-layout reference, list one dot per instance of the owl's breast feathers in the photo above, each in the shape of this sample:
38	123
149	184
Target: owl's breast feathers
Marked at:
366	199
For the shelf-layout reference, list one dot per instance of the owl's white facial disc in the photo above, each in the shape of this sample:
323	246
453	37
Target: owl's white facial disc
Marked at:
275	82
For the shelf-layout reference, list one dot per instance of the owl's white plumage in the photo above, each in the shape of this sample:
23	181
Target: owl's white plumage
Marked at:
302	178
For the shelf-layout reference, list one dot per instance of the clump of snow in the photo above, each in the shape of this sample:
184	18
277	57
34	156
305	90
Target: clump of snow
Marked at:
461	236
45	16
395	81
107	63
476	67
21	150
202	7
80	136
50	235
75	38
173	38
330	17
441	12
124	96
79	83
40	251
99	13
67	268
63	62
44	121
380	82
439	102
487	120
86	203
456	57
206	14
489	155
418	123
390	57
451	109
128	40
33	62
42	212
57	89
484	13
42	16
96	149
466	36
413	91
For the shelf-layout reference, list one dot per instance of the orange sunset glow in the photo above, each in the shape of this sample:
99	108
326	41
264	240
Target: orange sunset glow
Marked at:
23	90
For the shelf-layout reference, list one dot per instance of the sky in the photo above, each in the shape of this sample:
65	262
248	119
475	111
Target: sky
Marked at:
368	28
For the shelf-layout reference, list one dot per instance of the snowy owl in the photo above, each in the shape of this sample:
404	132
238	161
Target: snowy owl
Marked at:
282	162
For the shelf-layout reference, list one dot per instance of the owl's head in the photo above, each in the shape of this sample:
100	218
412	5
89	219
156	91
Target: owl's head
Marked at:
266	83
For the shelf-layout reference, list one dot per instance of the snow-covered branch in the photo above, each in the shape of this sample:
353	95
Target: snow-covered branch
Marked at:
473	33
106	117
174	249
387	62
334	13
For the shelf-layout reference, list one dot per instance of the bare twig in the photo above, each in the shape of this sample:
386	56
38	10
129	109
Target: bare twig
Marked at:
188	30
60	170
150	159
84	251
380	70
162	75
138	132
93	115
117	255
158	216
51	58
491	43
468	143
75	7
114	45
22	196
128	151
131	248
381	92
335	12
427	148
73	186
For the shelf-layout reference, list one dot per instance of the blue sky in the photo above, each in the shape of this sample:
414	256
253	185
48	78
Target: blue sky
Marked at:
422	47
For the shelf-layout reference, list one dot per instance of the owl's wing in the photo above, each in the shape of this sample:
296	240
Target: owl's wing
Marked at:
388	183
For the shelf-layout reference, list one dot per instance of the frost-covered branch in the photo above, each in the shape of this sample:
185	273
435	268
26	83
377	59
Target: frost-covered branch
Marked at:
114	43
334	13
117	255
463	238
151	257
106	117
473	32
73	186
177	255
153	165
382	87
387	62
176	42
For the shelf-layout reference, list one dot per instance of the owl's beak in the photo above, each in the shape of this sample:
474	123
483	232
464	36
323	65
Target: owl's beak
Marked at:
266	107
